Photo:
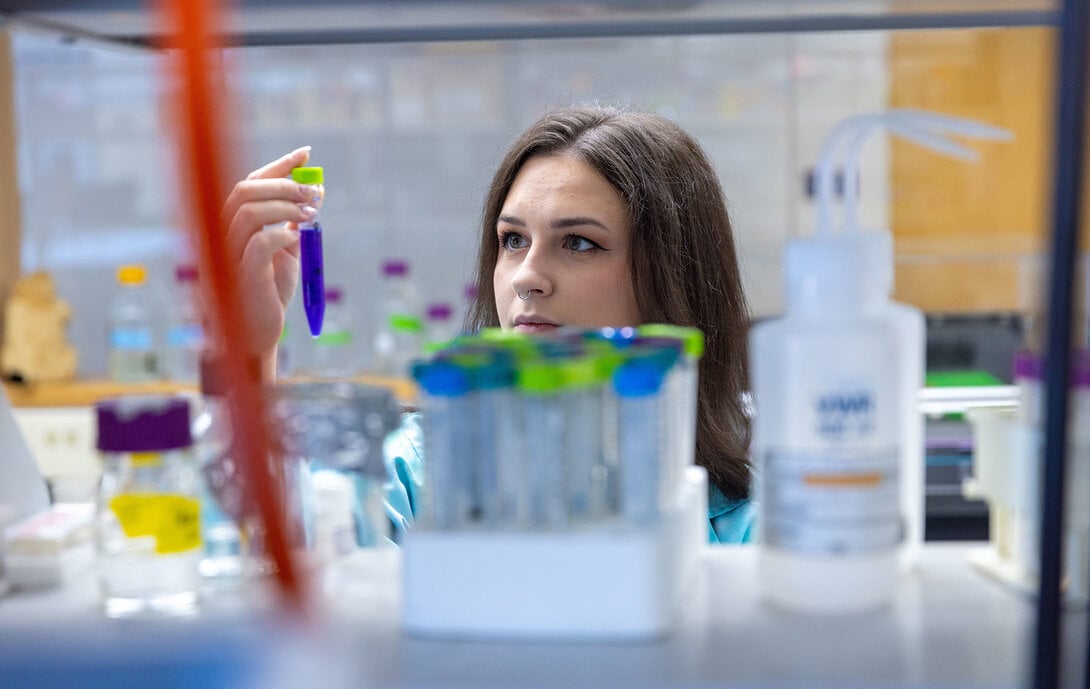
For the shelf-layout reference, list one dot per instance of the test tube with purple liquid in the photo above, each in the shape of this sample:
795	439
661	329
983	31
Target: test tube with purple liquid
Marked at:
312	277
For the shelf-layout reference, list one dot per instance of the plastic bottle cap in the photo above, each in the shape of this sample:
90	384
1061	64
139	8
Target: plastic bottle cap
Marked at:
692	339
143	423
395	267
541	378
442	378
618	337
439	312
307	175
185	273
638	378
825	272
1027	365
582	373
494	376
132	275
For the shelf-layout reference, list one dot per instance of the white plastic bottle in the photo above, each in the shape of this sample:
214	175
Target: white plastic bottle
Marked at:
131	329
334	354
826	437
185	333
398	335
911	329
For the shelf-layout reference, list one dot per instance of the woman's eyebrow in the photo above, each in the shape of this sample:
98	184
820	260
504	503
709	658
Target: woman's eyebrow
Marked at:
559	224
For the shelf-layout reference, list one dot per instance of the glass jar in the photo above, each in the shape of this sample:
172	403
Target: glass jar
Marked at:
147	525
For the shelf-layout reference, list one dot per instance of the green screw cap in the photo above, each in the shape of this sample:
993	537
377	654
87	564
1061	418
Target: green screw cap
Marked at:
307	175
692	339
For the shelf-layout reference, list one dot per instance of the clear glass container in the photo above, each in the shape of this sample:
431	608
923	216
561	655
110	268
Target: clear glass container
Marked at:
148	517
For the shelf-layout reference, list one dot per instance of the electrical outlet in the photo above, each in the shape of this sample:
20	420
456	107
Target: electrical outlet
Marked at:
62	441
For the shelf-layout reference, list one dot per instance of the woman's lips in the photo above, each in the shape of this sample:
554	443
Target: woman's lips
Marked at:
535	327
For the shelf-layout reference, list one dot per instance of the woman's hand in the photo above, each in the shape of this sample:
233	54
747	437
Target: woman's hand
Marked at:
263	212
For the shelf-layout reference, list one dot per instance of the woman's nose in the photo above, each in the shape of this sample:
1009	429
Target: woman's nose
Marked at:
533	276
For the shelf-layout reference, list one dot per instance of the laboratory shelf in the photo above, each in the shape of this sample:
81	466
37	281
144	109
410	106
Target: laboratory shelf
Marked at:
948	626
284	22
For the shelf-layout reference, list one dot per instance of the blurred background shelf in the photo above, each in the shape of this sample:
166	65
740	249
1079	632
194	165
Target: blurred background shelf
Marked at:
284	22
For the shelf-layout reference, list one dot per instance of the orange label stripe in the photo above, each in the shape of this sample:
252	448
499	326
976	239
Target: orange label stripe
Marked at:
846	480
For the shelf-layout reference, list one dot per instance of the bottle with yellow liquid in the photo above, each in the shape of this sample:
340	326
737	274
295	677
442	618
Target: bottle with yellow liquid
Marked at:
148	523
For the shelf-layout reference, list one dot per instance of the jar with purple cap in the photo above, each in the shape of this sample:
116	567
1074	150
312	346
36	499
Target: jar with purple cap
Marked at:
148	517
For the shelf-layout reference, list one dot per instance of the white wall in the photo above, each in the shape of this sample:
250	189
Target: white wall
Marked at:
409	135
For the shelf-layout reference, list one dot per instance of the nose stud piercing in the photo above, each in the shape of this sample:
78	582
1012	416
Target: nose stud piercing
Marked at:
523	295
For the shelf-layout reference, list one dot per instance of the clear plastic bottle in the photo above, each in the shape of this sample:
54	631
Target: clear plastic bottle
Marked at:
398	336
439	326
185	333
826	437
147	525
334	354
131	329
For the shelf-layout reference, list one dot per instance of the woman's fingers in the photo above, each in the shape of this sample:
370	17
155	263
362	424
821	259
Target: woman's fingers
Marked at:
252	217
281	167
269	182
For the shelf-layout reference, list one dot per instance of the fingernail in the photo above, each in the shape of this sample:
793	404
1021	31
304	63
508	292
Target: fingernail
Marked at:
309	211
302	149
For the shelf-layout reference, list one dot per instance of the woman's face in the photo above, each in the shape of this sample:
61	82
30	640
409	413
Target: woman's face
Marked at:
564	237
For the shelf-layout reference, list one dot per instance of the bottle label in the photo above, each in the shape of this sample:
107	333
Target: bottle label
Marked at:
146	459
334	339
131	338
400	322
188	335
831	501
173	520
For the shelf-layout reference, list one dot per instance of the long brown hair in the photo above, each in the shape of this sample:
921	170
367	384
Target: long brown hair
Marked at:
682	257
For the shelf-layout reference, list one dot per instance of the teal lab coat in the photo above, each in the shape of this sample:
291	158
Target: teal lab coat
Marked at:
729	521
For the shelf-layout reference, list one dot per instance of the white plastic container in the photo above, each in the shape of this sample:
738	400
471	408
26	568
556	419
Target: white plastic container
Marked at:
909	323
826	437
601	584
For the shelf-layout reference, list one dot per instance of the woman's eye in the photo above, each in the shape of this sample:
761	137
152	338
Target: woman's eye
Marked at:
579	244
512	240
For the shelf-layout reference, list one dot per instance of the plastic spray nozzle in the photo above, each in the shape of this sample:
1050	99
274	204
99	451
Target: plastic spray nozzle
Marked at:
930	130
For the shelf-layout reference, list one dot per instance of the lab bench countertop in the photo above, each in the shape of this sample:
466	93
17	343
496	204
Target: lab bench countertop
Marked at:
85	392
948	626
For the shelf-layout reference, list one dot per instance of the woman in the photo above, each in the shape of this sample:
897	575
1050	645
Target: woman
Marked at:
595	217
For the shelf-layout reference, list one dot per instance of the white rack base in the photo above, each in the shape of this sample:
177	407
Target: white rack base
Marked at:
602	584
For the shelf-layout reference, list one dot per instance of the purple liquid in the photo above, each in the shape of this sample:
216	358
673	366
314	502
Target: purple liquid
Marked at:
313	277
